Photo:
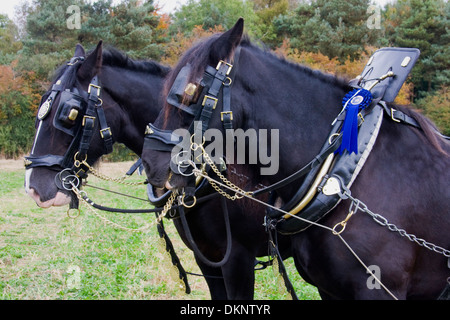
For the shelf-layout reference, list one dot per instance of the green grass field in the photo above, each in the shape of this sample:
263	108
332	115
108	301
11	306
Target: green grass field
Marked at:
44	254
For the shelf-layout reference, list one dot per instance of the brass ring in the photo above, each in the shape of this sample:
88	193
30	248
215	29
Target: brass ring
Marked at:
227	82
188	206
331	137
195	145
73	216
77	162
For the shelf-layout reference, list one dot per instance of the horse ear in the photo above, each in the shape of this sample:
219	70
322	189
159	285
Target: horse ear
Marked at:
91	66
79	51
224	46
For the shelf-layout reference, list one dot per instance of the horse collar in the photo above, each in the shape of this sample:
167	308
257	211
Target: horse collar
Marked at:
345	169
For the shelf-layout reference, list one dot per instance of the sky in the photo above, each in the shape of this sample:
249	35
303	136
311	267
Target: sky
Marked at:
168	6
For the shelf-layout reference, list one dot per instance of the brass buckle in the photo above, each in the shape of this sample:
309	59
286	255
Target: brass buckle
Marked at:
226	112
392	115
104	130
84	120
212	98
230	66
361	117
96	87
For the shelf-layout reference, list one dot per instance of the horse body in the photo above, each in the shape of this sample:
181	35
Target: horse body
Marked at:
405	178
405	187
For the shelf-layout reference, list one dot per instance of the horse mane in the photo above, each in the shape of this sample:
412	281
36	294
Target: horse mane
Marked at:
70	78
199	55
328	78
115	58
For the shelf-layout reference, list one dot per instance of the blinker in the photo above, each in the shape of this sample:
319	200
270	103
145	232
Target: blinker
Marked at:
177	91
67	114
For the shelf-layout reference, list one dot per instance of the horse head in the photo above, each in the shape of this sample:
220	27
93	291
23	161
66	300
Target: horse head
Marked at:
96	99
186	91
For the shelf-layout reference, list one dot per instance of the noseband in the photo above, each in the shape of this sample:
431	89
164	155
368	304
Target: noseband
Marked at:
69	118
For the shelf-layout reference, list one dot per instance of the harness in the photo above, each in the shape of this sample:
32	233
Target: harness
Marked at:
216	84
325	175
78	114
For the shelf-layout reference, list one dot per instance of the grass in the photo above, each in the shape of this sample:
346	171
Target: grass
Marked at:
46	255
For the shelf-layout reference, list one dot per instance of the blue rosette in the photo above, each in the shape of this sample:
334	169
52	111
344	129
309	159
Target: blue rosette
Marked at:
353	102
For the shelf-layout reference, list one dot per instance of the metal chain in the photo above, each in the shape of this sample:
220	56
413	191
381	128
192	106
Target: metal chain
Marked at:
239	193
392	227
99	175
358	206
198	172
164	212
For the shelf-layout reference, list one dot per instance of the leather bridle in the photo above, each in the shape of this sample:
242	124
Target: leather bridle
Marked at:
77	114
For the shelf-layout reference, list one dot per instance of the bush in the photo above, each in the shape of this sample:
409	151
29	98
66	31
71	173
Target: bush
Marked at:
18	104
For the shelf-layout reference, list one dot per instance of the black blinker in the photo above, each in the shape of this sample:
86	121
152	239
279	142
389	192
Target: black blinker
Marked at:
68	112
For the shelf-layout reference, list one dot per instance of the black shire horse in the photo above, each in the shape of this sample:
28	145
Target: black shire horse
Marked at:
405	177
130	93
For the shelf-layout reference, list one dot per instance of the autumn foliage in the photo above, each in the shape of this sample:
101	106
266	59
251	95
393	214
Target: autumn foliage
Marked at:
320	34
18	106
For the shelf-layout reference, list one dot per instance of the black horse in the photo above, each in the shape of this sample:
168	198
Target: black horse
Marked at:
405	178
131	92
130	95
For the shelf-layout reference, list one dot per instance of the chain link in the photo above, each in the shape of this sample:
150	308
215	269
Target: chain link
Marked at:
392	227
164	212
239	193
120	180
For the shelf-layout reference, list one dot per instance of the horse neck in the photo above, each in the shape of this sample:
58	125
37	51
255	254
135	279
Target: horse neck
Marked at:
299	102
138	95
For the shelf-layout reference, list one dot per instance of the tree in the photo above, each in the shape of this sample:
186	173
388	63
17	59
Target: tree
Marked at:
422	24
51	35
212	13
18	105
9	42
436	106
335	28
267	11
130	25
